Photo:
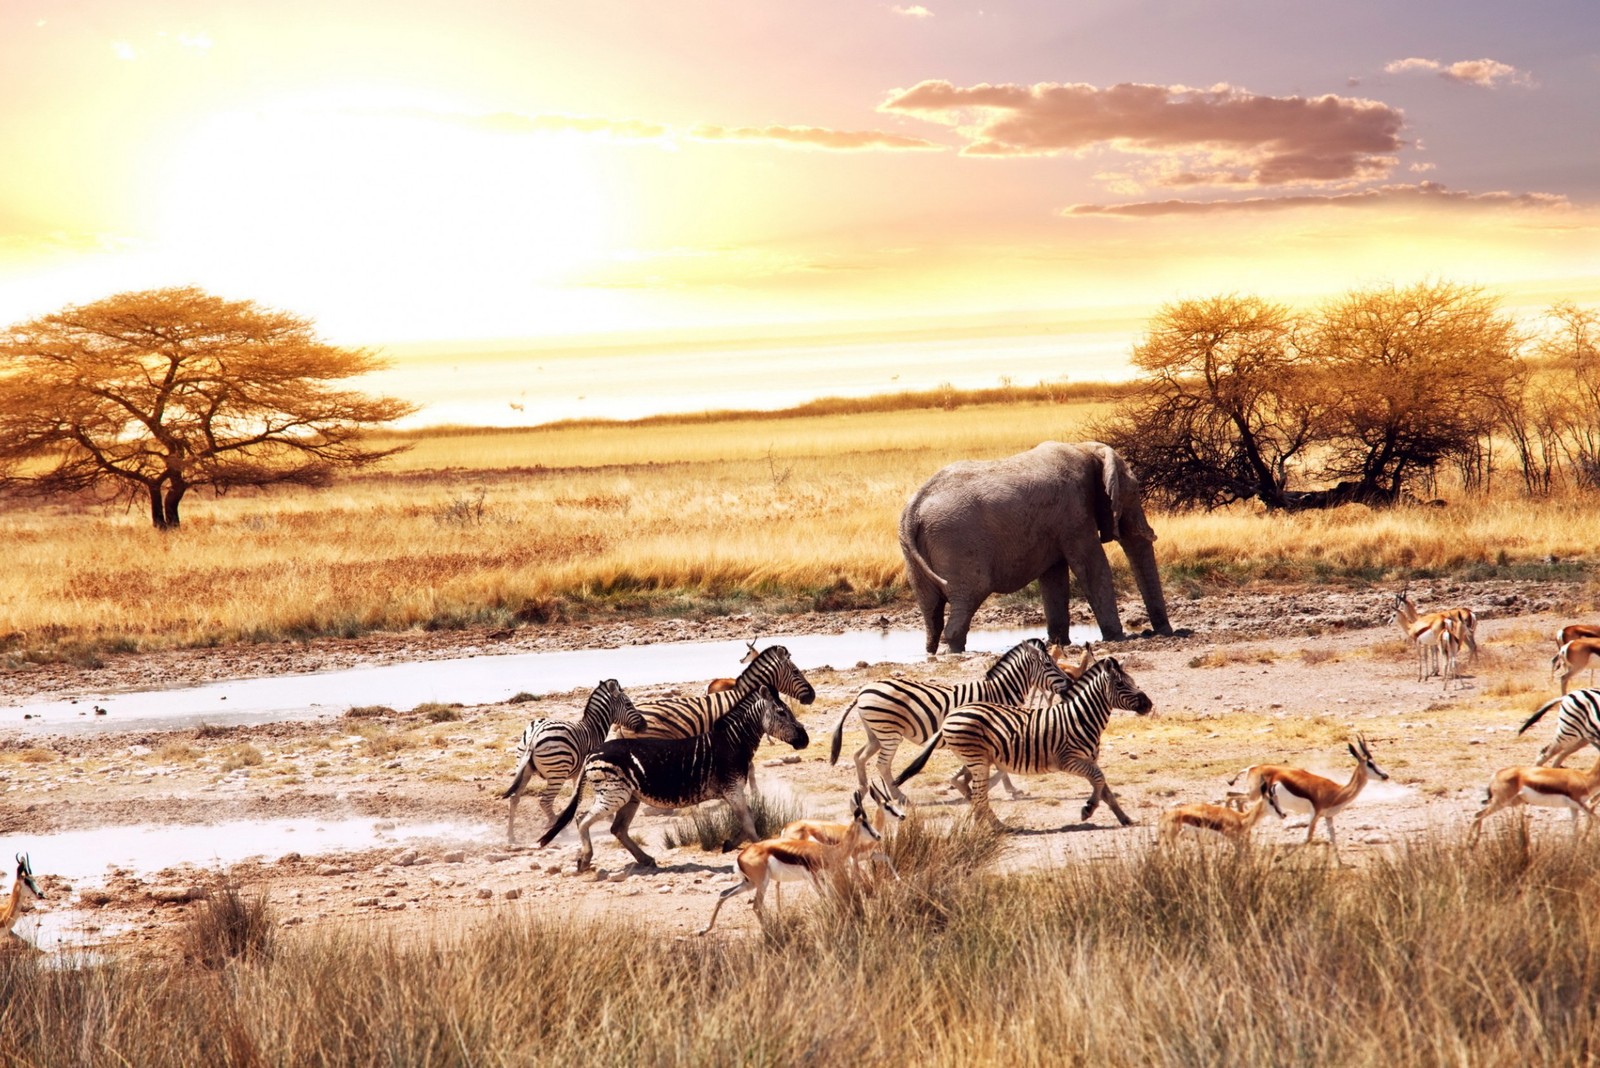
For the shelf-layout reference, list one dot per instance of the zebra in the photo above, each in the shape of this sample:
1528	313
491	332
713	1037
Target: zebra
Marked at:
892	709
1065	736
1577	726
672	772
685	717
554	749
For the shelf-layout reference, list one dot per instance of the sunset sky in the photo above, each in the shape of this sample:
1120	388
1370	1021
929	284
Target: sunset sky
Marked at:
413	173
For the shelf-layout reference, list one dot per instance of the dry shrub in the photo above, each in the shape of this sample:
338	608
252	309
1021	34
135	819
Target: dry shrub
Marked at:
1215	658
714	827
384	744
436	712
368	712
212	730
229	926
33	755
1318	654
176	752
243	755
1507	685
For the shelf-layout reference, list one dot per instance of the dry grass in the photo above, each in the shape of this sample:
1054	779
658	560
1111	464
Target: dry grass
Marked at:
1234	654
243	755
1439	954
176	752
508	527
33	755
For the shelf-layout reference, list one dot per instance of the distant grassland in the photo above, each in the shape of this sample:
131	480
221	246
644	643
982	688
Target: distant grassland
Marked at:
684	515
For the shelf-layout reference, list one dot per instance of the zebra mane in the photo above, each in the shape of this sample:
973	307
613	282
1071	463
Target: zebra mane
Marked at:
766	658
1015	655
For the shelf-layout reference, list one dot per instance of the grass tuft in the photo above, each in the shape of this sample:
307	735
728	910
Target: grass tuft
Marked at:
229	926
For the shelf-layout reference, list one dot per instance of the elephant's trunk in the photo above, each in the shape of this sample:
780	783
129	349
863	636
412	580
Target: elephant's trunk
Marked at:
1141	554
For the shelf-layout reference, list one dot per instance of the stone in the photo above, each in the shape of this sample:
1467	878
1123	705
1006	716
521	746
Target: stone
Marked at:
512	894
176	895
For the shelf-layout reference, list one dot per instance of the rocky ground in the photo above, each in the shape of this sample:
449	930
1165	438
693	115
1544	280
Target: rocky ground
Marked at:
1282	676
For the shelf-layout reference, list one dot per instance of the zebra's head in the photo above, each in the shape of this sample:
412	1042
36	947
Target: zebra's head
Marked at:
777	719
774	667
1120	687
1363	757
30	889
618	706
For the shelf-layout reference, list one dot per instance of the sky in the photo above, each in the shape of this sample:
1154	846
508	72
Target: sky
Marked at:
472	177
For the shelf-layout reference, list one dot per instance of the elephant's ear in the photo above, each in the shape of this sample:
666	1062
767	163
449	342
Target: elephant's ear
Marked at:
1121	494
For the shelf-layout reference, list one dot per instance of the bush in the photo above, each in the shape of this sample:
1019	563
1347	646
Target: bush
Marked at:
229	926
713	826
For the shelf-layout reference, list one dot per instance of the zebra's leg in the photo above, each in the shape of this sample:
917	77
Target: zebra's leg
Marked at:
518	784
604	805
962	781
547	800
864	754
886	751
739	798
979	780
619	831
1005	780
1558	751
1101	792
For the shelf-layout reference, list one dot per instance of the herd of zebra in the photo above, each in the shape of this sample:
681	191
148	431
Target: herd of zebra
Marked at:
1029	713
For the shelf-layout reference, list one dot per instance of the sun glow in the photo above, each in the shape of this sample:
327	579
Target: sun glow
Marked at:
384	203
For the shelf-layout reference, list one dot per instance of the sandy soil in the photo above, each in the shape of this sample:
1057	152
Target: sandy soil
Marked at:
1283	676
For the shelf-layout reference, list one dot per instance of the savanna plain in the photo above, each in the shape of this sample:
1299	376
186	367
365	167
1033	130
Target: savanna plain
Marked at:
1054	942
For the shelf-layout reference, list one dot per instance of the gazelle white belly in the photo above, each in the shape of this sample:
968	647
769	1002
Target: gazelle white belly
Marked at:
1293	803
1530	796
785	872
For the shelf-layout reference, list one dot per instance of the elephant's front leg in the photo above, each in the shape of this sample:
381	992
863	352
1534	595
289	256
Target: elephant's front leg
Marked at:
962	607
1055	589
1094	575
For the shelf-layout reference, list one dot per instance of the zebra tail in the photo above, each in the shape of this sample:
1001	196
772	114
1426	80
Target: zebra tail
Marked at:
838	731
1542	710
566	814
524	773
921	759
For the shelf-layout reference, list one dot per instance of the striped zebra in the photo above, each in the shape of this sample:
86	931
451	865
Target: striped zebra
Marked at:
1063	737
554	749
892	709
1578	725
685	717
673	772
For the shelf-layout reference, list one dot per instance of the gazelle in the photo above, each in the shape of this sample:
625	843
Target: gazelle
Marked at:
24	892
1566	788
1574	631
797	859
719	685
1301	791
1573	657
1062	655
834	833
1217	821
1435	635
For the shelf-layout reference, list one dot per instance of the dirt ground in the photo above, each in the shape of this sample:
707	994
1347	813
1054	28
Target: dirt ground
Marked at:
1283	676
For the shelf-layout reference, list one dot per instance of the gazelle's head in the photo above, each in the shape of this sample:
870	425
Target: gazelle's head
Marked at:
1363	756
749	651
1269	790
30	889
885	802
858	816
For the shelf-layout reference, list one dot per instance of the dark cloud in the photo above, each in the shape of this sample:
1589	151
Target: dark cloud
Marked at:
1241	137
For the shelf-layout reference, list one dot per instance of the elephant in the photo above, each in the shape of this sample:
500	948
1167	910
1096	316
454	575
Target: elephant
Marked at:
992	526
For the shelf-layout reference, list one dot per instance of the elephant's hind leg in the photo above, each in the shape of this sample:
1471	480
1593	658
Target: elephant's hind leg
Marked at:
962	609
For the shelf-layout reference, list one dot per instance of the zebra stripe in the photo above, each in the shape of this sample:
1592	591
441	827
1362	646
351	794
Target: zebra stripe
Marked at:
685	717
1063	737
895	709
1577	725
553	749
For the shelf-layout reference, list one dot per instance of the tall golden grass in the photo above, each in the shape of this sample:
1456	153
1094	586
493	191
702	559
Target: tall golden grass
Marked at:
796	512
1439	954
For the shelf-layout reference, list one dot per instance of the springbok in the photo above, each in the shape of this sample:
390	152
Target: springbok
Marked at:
834	833
1573	657
1218	821
1301	791
719	685
797	859
1566	788
24	892
1573	631
1434	634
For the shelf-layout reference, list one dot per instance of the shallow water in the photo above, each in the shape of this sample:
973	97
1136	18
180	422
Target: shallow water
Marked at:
469	680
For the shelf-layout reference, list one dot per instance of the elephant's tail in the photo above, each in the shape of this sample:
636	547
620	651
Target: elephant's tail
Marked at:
908	545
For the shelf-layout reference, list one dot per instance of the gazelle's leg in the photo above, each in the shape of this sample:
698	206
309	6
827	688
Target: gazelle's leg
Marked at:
744	887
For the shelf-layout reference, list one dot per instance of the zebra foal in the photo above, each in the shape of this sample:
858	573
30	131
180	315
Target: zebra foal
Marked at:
896	709
674	772
1062	737
554	749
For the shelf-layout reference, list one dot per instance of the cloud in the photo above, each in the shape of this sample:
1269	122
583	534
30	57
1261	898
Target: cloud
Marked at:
1422	193
124	51
916	11
642	130
1233	136
813	137
1484	73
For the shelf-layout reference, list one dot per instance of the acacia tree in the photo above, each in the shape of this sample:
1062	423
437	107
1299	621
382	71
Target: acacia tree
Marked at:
154	393
1413	376
1225	407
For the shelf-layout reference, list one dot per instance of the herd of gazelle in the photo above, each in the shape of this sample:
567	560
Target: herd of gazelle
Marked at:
1034	710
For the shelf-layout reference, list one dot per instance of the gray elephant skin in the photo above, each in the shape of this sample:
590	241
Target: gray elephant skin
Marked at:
993	526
